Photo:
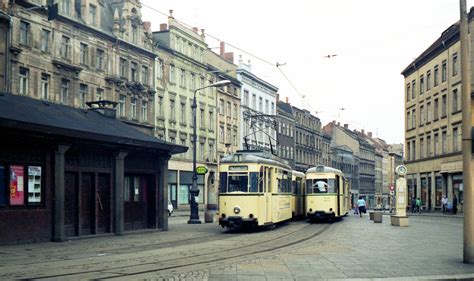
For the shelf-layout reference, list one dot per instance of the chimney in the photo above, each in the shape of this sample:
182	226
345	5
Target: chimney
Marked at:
203	35
147	26
369	134
229	57
286	99
171	15
104	107
163	27
338	123
222	49
346	126
278	97
195	30
362	131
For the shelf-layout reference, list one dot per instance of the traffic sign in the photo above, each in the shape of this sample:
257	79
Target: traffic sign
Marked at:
392	188
201	170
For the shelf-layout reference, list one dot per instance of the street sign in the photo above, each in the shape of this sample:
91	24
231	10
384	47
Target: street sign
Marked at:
392	188
201	170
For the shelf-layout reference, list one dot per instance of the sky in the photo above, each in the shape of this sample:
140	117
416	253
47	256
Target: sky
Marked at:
373	40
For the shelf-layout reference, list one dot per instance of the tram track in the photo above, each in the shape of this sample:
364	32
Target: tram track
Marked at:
180	261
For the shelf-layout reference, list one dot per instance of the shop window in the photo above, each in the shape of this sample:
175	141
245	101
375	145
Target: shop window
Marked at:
14	180
34	184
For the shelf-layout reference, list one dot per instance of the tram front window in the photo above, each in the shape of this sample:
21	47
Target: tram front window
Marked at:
321	186
238	183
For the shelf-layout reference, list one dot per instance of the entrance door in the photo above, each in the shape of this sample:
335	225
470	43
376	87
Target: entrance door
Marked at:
87	217
103	204
173	194
71	204
135	197
268	193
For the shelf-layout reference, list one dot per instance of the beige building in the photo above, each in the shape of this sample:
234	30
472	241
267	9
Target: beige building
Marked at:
181	68
93	51
433	121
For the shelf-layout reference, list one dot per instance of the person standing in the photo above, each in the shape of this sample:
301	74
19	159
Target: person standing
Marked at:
418	205
413	205
361	205
444	203
455	205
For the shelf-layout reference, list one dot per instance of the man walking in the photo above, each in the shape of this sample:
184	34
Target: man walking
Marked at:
361	205
418	205
444	203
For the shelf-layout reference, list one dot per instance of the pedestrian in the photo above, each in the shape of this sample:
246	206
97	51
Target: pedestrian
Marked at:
413	205
361	205
455	205
444	203
418	205
356	212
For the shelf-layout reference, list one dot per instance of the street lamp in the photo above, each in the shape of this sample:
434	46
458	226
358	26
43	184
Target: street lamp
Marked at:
194	216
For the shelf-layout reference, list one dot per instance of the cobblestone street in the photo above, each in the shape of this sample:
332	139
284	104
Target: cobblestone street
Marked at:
431	247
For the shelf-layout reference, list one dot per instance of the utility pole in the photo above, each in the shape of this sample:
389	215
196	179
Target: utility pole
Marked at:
468	233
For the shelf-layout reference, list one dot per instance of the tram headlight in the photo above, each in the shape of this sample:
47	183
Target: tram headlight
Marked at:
236	209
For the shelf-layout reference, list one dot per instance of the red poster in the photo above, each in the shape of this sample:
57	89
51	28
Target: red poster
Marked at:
16	185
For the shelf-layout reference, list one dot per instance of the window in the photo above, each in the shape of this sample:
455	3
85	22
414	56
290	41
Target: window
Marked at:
428	112
272	108
201	82
133	108
221	107
211	149
172	78
246	98
443	71
144	111
455	64
64	91
24	78
436	144
134	34
228	135
435	76
182	113
160	107
99	59
436	110
260	104
254	102
455	100
99	94
234	137
93	14
144	75
83	54
172	110
266	107
182	78
45	86
123	67
235	110
24	33
428	146
133	71
422	85
82	95
408	150
408	92
422	147
65	7
221	133
45	40
13	193
455	140
229	109
413	89
443	142
65	47
122	99
211	120
422	115
413	146
192	82
159	70
413	116
428	80
443	106
202	118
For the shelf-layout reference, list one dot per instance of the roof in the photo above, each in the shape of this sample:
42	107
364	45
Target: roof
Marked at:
254	156
25	113
285	107
323	169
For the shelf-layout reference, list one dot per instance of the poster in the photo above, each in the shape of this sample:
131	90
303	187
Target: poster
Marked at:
16	185
34	184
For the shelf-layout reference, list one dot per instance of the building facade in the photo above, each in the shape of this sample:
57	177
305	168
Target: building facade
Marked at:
308	140
181	69
285	132
258	109
433	121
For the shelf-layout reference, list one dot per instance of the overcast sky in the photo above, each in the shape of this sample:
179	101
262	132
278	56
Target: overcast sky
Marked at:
374	40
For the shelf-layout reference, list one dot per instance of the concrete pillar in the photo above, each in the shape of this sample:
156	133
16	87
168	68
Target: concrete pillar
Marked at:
162	192
433	191
418	185
59	187
119	173
450	187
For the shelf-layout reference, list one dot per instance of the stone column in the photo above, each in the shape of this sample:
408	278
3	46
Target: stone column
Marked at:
162	191
433	191
119	171
418	185
450	187
59	187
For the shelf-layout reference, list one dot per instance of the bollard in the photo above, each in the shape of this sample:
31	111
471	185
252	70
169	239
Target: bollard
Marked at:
377	217
371	215
208	216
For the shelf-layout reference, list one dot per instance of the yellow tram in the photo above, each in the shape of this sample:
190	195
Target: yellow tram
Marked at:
255	189
298	183
327	193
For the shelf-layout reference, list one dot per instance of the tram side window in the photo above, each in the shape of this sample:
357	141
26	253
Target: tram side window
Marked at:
284	182
253	182
261	180
321	186
238	182
223	182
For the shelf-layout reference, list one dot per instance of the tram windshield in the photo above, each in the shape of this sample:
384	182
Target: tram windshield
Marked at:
238	182
320	186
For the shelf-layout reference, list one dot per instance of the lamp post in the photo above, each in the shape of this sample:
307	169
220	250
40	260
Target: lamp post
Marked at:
194	216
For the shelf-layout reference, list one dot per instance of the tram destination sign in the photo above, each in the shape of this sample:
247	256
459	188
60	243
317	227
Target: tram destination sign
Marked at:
201	170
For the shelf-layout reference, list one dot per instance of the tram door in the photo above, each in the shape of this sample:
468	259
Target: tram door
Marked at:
268	193
338	192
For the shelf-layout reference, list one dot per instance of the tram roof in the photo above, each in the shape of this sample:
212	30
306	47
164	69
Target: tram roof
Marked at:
323	169
253	156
